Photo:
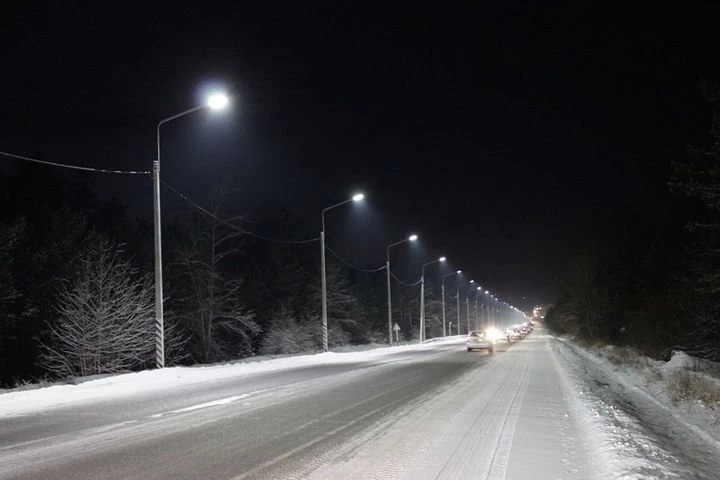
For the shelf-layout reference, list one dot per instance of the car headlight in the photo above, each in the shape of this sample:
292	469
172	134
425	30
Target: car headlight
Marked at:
492	334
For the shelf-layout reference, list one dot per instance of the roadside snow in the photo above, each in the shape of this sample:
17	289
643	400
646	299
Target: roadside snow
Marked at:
14	403
645	434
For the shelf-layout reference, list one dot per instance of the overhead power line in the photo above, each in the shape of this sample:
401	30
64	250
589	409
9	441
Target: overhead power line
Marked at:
233	226
74	167
355	267
403	283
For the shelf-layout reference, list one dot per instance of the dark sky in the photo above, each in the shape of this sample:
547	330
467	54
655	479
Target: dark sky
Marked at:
508	135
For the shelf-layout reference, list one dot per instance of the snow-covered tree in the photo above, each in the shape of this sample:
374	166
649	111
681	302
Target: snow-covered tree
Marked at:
105	320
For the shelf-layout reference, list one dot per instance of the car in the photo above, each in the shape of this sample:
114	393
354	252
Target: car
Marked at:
477	340
513	334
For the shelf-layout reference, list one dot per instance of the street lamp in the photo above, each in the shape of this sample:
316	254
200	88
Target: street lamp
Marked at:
458	272
355	198
458	302
215	102
422	295
478	291
411	238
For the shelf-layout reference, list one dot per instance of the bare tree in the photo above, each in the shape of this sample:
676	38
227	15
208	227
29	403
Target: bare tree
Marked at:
207	301
105	322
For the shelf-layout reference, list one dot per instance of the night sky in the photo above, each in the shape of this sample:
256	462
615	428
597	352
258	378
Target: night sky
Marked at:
509	136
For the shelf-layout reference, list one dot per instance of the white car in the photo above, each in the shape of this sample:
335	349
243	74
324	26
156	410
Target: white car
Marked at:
479	341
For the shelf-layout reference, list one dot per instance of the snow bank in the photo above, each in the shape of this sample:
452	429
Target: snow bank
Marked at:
674	386
24	402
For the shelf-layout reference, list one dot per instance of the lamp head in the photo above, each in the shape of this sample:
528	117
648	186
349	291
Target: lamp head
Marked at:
413	237
358	197
217	101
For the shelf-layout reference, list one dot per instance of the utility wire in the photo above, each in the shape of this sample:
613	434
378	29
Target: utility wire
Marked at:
74	167
342	260
403	283
235	227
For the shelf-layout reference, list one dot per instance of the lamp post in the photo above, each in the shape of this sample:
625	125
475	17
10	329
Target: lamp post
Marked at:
458	302
214	102
411	238
478	291
355	198
422	295
458	272
467	310
487	314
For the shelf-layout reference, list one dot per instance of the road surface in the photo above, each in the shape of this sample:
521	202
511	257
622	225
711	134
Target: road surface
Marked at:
438	413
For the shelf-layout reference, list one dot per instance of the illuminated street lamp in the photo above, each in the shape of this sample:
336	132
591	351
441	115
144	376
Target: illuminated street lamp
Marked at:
215	102
411	238
458	272
422	295
355	198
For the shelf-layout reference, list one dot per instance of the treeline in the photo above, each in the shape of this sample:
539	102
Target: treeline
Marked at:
659	288
76	285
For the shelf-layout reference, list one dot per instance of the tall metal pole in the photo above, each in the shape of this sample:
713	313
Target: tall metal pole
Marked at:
467	308
323	276
390	325
422	296
477	324
159	316
458	308
159	321
442	290
324	288
411	238
422	305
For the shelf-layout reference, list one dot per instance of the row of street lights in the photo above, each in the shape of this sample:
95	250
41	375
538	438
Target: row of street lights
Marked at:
219	101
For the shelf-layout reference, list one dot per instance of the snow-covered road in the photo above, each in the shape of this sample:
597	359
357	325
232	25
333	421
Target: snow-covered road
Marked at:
432	411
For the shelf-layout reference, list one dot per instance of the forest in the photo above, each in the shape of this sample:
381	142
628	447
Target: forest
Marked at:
76	285
657	288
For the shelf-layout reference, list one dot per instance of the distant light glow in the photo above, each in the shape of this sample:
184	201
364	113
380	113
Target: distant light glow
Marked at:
413	237
487	292
217	101
480	288
442	259
358	197
472	281
459	272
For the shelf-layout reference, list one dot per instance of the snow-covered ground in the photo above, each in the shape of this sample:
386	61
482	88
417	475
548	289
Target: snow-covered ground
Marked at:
543	408
645	430
22	401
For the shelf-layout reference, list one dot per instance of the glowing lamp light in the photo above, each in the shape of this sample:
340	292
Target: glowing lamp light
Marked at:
442	259
459	272
358	197
218	101
413	237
